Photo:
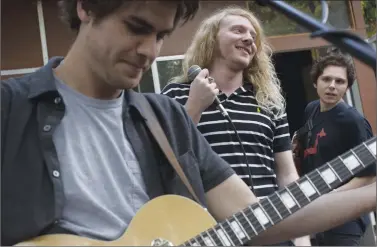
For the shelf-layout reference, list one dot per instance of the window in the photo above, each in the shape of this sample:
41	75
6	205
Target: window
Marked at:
6	74
167	70
146	83
275	23
160	73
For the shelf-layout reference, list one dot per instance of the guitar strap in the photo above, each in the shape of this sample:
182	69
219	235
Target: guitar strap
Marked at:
309	125
158	133
304	135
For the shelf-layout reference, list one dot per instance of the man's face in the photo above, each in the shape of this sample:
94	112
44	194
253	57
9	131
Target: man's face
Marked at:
236	44
124	44
332	85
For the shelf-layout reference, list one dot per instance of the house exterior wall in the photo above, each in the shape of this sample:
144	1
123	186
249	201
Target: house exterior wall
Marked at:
31	33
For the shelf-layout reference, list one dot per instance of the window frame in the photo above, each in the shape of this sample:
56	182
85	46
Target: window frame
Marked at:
155	75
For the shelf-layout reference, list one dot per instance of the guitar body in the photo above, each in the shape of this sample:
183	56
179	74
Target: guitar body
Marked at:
172	218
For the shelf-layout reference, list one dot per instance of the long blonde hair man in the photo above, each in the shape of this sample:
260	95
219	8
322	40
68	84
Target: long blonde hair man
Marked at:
260	72
231	48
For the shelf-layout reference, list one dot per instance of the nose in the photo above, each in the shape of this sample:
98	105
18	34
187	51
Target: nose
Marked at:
248	40
149	47
332	84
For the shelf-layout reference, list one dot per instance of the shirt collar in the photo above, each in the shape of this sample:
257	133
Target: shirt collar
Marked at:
132	99
247	87
43	80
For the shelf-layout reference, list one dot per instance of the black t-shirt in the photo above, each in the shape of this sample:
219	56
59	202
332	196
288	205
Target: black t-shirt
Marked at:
341	129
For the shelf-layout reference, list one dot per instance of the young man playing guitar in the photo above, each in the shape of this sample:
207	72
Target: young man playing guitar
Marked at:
335	128
78	158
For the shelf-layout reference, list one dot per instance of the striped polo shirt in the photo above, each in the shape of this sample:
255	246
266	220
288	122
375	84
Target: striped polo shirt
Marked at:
261	134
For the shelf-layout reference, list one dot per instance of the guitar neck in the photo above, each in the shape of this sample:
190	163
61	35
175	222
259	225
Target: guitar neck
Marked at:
250	222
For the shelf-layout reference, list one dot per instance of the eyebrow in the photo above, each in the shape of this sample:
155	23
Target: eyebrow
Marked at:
148	25
334	77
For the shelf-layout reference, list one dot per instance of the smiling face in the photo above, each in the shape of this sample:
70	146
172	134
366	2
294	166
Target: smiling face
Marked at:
236	41
331	86
124	44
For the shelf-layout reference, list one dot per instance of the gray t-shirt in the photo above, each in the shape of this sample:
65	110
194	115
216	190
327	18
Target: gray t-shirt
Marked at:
102	180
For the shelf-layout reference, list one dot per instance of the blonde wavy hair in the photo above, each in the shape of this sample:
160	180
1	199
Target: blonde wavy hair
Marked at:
260	72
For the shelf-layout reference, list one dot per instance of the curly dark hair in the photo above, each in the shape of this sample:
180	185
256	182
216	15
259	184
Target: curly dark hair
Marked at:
186	10
333	59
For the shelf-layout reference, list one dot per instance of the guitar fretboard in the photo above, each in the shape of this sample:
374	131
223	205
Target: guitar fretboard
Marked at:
243	226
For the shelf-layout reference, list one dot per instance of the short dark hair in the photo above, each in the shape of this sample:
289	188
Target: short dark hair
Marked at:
333	59
186	10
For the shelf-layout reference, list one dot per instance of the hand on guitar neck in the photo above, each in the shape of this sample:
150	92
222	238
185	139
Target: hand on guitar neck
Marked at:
324	213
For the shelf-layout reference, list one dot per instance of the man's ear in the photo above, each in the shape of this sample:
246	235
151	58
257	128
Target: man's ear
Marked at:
82	13
314	85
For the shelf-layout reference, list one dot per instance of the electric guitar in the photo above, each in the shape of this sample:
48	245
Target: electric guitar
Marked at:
172	220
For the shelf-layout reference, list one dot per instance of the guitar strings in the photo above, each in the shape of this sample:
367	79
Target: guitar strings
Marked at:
360	150
345	169
321	187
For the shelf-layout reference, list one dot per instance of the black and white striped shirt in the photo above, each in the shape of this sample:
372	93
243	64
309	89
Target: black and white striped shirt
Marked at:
261	134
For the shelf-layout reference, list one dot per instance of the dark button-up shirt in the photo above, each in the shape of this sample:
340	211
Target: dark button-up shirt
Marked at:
32	195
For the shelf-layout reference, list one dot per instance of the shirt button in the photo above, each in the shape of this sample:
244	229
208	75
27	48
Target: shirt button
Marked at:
47	127
57	100
55	173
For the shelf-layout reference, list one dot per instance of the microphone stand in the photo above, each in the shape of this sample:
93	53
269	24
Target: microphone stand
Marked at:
346	41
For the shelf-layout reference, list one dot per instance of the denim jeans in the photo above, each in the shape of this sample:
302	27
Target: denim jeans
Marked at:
285	243
348	234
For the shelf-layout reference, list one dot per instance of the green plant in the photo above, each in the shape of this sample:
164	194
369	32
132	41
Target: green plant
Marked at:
369	13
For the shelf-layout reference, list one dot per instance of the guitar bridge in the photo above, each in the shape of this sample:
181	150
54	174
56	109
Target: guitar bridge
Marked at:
161	242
